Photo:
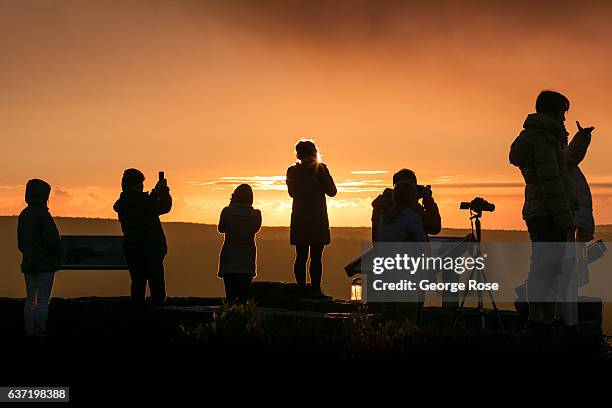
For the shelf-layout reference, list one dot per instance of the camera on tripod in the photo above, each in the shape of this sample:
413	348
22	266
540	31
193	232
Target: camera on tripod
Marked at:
477	205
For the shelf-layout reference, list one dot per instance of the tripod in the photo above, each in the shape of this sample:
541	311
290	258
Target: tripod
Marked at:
480	275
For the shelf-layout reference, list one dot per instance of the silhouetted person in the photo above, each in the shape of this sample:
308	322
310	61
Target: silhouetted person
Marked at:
39	242
239	221
308	181
550	197
428	211
403	223
144	242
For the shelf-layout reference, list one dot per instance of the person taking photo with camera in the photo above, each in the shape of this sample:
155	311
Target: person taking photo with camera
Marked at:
403	223
428	210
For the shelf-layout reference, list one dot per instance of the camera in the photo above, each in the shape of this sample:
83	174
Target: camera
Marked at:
423	191
477	205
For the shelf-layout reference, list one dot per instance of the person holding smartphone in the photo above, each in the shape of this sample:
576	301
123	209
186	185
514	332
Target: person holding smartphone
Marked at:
541	153
144	241
308	182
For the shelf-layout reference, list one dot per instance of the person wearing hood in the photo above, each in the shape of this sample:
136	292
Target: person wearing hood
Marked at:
550	197
240	222
144	242
308	182
39	242
403	223
428	211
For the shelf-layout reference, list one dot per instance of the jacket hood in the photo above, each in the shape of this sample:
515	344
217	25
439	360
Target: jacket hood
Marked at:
37	193
545	122
241	209
127	198
240	206
522	147
384	200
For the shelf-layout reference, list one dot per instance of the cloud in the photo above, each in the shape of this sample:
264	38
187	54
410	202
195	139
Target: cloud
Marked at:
264	183
61	197
407	24
6	187
354	186
369	172
352	203
600	185
277	183
492	184
276	205
361	186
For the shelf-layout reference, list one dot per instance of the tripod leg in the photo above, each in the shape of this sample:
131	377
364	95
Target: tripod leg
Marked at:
466	291
465	294
499	319
481	312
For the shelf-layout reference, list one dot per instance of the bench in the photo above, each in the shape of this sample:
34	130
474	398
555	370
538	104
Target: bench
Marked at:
93	252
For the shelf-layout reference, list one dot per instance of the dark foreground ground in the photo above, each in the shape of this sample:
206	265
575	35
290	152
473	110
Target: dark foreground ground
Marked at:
102	346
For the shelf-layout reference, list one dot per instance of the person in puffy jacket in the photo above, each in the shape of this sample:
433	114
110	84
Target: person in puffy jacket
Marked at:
308	182
550	197
240	222
404	223
39	242
144	241
428	211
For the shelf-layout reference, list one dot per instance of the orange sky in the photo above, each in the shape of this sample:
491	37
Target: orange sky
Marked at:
216	93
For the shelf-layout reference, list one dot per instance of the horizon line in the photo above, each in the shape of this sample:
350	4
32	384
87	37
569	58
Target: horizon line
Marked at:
271	226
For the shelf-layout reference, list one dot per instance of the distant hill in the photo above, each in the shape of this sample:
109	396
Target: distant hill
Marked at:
191	264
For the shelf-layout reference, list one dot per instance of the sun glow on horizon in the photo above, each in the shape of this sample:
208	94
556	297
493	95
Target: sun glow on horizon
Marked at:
218	98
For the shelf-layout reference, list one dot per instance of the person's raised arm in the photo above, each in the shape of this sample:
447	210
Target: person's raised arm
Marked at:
161	200
577	148
432	221
328	182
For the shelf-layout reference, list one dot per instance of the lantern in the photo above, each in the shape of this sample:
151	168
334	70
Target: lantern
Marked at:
356	290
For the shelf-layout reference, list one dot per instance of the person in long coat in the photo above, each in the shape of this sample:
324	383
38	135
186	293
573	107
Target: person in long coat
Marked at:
39	241
240	222
308	182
